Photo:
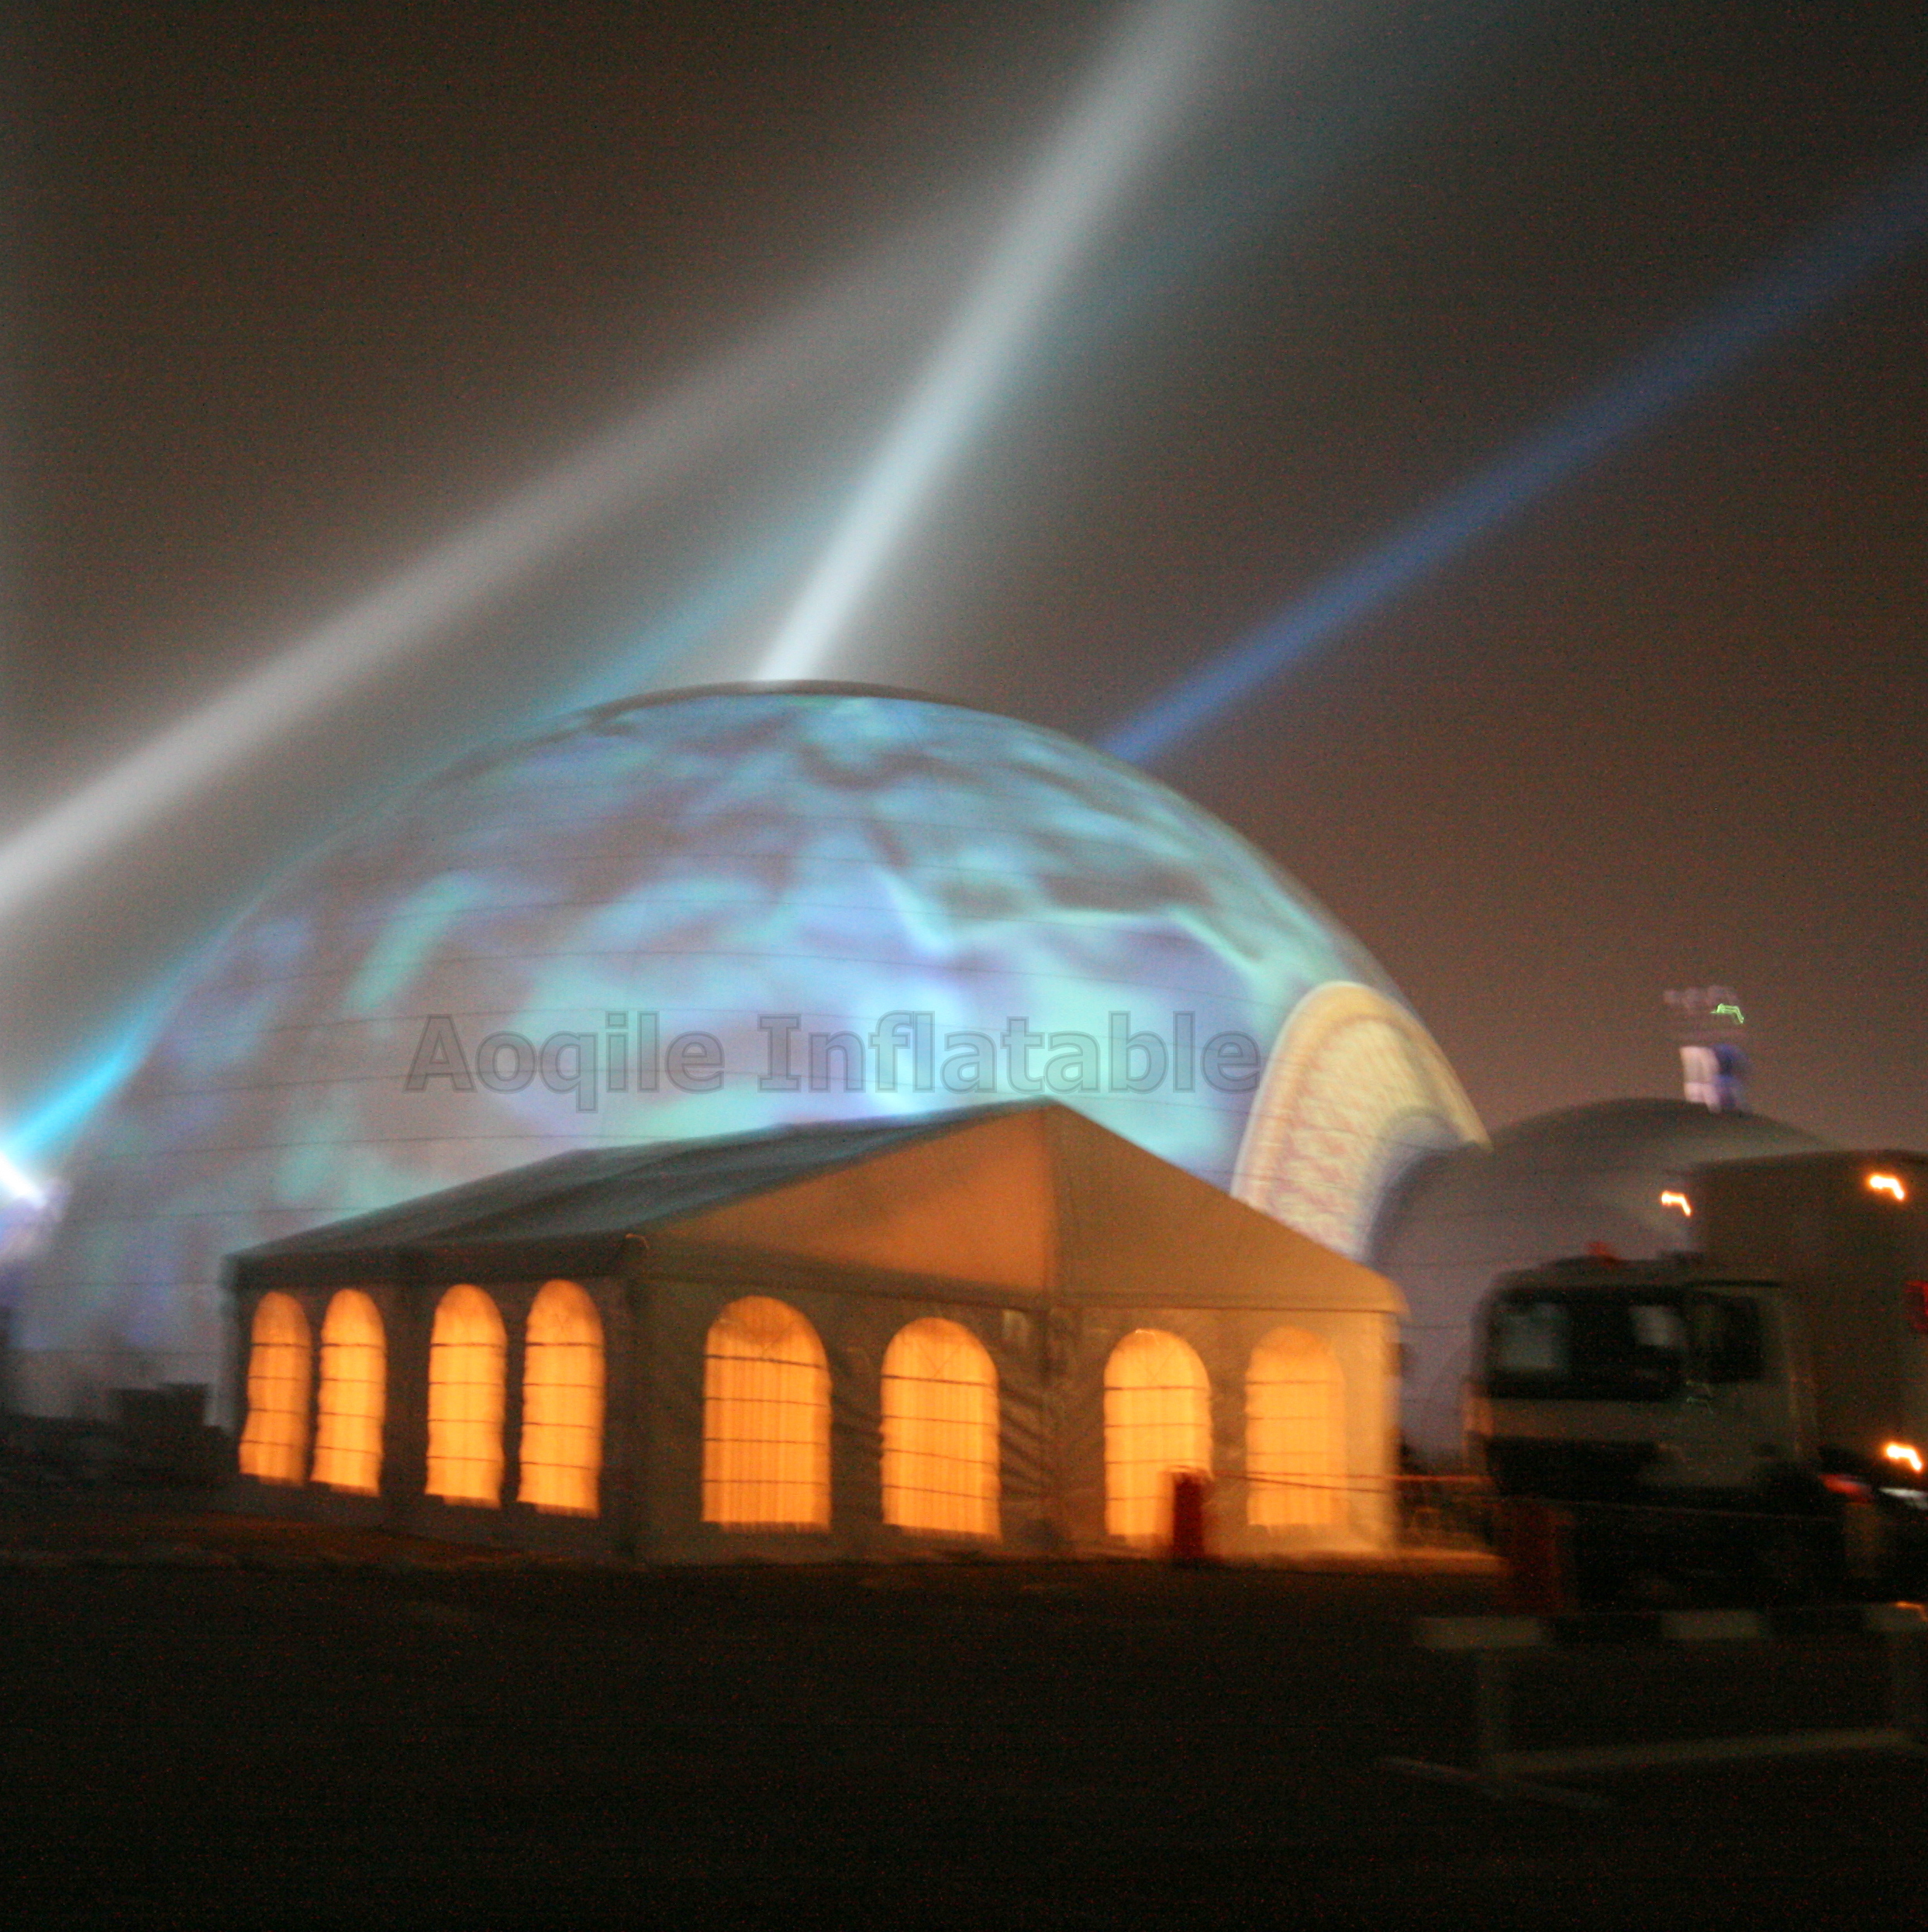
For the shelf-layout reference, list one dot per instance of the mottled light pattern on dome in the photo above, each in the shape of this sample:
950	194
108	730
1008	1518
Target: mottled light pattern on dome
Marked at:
697	864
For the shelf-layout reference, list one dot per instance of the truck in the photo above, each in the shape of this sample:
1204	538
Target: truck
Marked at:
1751	1415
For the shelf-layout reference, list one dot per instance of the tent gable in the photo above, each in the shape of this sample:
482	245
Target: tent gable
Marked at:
1135	1228
976	1204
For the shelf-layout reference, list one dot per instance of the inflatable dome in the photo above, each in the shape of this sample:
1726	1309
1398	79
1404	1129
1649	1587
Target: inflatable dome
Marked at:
1545	1187
701	914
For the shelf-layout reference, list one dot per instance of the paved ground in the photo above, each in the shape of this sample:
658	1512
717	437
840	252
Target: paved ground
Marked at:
212	1721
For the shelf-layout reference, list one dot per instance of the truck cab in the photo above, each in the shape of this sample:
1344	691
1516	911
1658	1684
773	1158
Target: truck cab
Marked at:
1604	1381
1665	1406
1762	1405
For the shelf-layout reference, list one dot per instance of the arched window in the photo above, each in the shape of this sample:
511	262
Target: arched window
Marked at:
561	1457
468	1350
275	1443
353	1397
1157	1420
941	1431
1295	1433
766	1420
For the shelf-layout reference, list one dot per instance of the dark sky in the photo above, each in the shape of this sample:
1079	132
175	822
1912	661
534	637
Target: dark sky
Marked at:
298	291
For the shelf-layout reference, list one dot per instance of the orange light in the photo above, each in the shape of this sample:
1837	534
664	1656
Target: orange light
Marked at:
1904	1453
1673	1197
274	1443
561	1457
467	1350
940	1430
766	1420
1295	1433
1157	1419
1888	1184
353	1395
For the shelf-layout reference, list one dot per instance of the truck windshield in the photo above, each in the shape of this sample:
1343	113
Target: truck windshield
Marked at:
1586	1347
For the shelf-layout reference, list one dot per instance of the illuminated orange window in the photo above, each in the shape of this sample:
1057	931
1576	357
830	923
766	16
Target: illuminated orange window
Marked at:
561	1457
275	1443
468	1350
1295	1433
941	1431
1157	1420
353	1397
766	1420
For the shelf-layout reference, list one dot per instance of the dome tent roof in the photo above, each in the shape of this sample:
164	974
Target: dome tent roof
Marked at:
696	914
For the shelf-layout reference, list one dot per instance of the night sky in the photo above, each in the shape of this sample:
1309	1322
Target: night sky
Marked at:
298	292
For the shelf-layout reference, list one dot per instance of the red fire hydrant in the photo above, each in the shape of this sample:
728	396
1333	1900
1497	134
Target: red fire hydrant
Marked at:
1189	1490
1535	1545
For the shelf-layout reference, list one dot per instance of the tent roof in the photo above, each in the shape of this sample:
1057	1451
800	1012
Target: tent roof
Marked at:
593	1191
1030	1198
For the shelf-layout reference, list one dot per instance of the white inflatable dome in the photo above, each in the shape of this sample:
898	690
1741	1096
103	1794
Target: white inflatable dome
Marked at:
718	910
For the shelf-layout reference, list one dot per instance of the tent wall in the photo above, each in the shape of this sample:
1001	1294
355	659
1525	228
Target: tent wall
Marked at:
855	1330
407	1308
1224	1341
1051	1365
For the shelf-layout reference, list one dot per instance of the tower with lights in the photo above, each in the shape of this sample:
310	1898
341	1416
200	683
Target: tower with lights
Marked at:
1709	1025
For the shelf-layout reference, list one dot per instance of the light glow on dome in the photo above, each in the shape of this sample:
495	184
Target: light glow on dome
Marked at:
844	904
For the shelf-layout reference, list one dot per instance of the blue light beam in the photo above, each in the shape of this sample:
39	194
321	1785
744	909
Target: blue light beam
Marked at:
43	1134
1773	303
61	1114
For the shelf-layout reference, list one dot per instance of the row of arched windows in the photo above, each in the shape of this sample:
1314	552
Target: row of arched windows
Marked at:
767	1425
766	1416
560	1457
1158	1419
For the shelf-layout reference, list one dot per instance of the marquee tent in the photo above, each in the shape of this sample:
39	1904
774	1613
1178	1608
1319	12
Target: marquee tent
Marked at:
1002	1329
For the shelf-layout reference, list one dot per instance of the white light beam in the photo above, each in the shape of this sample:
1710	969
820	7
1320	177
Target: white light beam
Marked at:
19	1184
1154	71
642	458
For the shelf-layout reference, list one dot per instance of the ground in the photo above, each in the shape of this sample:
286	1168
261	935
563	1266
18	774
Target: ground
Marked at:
211	1719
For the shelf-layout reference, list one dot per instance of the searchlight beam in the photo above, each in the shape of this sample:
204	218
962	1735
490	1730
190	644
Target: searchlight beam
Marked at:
1871	231
643	457
1152	74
